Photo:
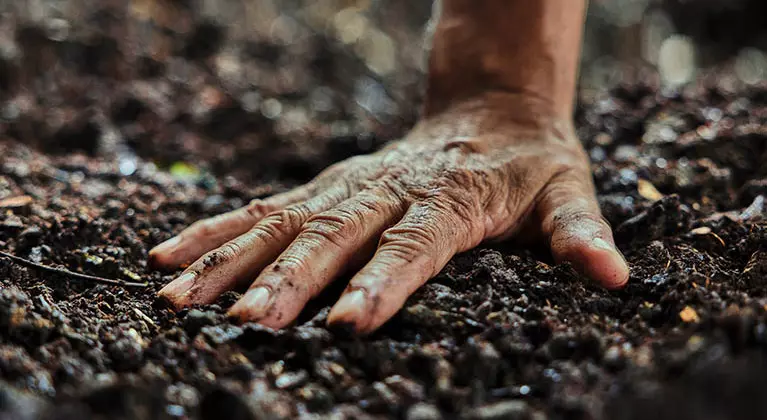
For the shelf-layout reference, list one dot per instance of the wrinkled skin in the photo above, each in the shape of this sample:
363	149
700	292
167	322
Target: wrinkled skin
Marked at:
486	169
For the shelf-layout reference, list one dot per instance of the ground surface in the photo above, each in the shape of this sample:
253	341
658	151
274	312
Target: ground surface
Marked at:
101	161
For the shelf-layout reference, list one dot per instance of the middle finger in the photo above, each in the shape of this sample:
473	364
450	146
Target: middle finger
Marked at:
325	246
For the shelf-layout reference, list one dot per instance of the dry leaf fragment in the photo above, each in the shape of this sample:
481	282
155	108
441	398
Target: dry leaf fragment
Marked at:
703	230
15	202
718	238
688	314
647	190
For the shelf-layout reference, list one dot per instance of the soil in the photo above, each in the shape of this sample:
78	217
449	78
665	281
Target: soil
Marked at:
106	152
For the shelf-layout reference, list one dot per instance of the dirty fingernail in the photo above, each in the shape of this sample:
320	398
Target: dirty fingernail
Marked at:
179	286
253	305
167	246
618	259
607	246
349	308
602	244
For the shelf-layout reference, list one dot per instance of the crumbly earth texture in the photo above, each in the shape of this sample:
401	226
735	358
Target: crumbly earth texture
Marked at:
99	164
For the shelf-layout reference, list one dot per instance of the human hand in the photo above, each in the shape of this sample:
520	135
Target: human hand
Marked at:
483	170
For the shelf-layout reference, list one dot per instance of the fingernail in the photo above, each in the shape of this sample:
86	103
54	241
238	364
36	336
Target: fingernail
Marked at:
166	246
349	308
180	286
602	244
607	246
254	304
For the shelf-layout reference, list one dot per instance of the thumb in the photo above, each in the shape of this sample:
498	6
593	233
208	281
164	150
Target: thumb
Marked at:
576	231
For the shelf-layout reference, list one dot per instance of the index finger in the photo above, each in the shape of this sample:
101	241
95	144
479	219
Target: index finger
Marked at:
208	234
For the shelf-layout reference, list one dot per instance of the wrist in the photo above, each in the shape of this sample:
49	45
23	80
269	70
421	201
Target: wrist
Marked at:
522	106
498	116
514	46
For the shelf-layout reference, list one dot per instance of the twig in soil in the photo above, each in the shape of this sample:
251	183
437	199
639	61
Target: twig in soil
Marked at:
143	316
71	274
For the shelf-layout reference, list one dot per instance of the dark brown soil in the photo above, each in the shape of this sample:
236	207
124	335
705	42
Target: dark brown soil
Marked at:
105	154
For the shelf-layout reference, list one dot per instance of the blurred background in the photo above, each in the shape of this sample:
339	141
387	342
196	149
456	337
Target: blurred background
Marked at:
289	76
675	40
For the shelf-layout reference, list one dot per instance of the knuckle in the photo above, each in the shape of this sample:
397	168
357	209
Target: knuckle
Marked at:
463	204
465	145
396	168
257	208
292	217
350	184
402	250
457	177
451	180
461	217
270	228
411	236
335	227
456	201
222	255
282	222
287	266
391	187
576	214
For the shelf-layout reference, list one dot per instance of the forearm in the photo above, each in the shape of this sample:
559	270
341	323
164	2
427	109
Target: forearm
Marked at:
528	48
